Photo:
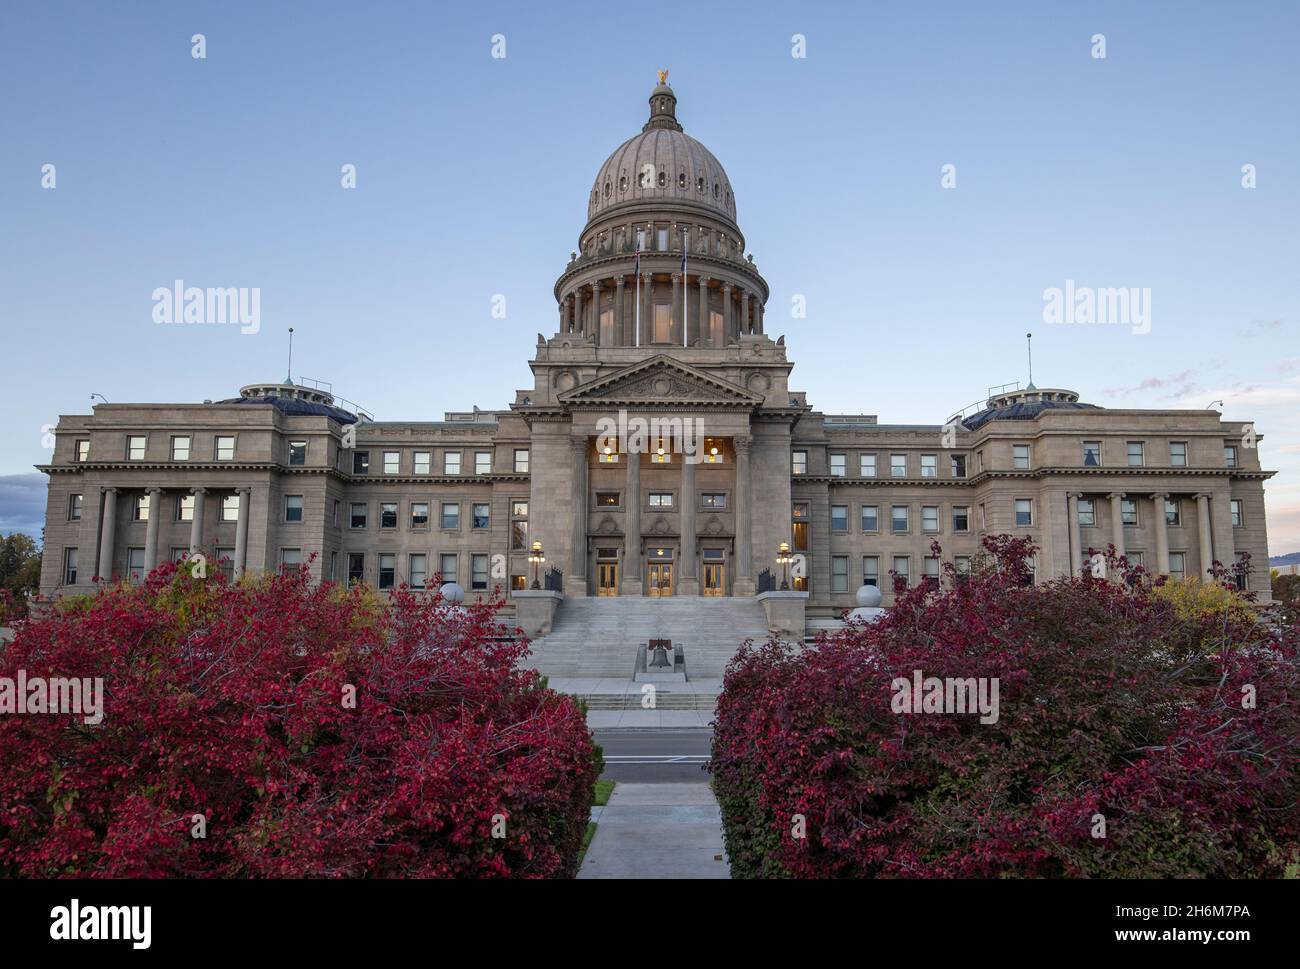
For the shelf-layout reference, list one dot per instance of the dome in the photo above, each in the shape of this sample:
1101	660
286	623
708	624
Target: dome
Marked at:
680	169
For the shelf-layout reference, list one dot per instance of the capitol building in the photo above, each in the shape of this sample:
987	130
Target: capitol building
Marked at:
733	486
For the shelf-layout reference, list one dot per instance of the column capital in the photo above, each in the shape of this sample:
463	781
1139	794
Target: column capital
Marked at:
578	442
704	280
676	276
742	442
727	288
1203	495
155	489
1075	495
1116	495
1160	496
620	281
110	491
198	491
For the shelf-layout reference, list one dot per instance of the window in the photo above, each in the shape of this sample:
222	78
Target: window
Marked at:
478	573
1128	511
358	514
293	508
799	526
135	446
69	566
1092	454
135	565
450	515
1087	514
388	514
74	508
297	452
961	565
1173	514
140	508
1229	456
1239	571
929	518
799	462
1020	457
185	508
837	465
839	518
334	513
519	526
870	518
1178	565
225	448
713	499
421	462
229	509
181	448
958	465
387	570
871	570
290	559
417	570
902	570
607	456
83	451
356	567
334	566
447	568
931	566
961	518
867	465
419	515
451	462
898	518
1134	558
929	466
1234	505
661	454
521	461
661	499
480	514
1136	457
1178	454
1024	512
392	462
360	462
898	465
482	462
839	573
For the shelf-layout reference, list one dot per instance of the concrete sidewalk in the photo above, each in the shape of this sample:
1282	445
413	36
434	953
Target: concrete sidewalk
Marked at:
658	831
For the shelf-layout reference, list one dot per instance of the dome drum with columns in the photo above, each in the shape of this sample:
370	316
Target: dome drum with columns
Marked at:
666	190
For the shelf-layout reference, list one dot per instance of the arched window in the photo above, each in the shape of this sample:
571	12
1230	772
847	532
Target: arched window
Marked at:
681	180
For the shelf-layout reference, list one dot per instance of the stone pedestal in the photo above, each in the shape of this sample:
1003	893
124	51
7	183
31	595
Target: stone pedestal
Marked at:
785	613
535	610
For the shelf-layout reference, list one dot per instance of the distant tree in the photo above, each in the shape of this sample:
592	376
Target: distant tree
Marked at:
1286	590
20	570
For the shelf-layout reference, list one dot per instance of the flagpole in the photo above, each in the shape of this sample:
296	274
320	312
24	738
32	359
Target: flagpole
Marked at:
686	339
636	337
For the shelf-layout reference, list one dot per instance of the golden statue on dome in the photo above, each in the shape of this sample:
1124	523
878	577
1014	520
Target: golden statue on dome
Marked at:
663	77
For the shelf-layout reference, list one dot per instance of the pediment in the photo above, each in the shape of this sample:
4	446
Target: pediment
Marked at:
663	381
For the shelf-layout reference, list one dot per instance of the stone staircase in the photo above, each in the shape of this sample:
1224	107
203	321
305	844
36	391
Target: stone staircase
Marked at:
601	636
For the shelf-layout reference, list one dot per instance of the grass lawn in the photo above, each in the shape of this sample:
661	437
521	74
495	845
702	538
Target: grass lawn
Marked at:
603	790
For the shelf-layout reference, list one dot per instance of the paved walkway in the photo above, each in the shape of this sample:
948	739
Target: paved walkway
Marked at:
657	831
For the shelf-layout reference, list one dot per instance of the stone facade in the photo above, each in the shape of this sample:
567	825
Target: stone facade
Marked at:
661	320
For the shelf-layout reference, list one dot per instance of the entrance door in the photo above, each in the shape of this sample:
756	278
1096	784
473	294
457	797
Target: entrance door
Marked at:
607	578
661	578
715	579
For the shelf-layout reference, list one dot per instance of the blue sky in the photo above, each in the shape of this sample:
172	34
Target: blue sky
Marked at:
473	174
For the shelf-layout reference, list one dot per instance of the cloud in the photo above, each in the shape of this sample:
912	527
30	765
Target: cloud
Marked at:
1259	328
22	503
1179	384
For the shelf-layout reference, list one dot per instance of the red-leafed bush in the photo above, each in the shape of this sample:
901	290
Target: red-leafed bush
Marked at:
233	703
1126	742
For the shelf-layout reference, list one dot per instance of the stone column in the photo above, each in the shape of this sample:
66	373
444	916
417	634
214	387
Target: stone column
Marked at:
744	312
630	585
647	324
701	332
688	584
758	316
1162	534
579	323
241	533
575	583
727	315
678	325
1076	540
594	323
564	323
1203	532
151	531
196	527
620	312
1117	521
108	536
744	581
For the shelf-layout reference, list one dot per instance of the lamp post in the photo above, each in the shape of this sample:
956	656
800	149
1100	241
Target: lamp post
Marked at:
784	558
536	557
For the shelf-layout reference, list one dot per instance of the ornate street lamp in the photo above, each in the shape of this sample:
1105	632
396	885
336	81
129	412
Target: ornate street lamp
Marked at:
784	558
536	557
